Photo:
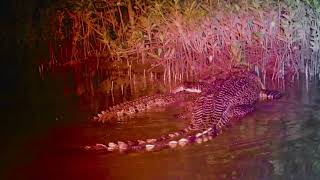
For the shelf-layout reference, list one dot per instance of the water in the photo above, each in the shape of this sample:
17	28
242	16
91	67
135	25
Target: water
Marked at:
280	140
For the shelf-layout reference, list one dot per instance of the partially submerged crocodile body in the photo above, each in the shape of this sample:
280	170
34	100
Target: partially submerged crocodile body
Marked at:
140	105
180	93
219	102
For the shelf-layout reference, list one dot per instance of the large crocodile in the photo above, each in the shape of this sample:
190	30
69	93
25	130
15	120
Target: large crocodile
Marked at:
181	93
226	99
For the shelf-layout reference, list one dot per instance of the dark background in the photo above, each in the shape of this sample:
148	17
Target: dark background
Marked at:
28	104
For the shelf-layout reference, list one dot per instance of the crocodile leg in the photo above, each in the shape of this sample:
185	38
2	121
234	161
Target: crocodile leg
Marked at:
234	113
241	111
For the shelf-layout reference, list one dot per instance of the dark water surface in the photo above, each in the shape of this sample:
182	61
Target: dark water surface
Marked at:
280	140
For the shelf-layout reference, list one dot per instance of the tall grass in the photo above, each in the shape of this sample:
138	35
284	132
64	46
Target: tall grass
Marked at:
190	39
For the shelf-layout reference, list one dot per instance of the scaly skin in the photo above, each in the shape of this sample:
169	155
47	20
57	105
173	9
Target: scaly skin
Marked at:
182	92
195	87
139	105
223	101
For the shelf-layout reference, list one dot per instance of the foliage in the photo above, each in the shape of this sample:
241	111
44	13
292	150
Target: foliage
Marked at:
192	38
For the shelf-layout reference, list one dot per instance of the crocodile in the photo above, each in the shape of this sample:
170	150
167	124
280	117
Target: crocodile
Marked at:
227	99
180	93
141	104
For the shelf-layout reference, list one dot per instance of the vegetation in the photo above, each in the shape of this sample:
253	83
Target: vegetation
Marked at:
187	38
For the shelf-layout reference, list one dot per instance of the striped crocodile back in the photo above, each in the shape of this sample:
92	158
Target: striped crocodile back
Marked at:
214	108
225	99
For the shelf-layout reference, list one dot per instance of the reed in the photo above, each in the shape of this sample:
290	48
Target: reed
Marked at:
190	39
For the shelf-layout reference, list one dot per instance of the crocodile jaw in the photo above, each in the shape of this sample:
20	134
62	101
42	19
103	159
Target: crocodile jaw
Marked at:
192	90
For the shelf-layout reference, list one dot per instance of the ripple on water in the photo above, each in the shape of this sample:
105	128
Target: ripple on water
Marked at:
280	140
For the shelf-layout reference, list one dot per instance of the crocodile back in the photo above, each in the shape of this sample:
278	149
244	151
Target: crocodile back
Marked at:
222	100
217	106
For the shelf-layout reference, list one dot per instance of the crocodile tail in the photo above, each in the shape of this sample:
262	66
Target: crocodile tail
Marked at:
127	145
139	105
164	142
266	94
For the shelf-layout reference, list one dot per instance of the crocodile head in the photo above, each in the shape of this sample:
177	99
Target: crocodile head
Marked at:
193	87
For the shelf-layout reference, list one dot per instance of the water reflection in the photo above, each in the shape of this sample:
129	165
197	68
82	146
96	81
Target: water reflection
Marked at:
278	141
